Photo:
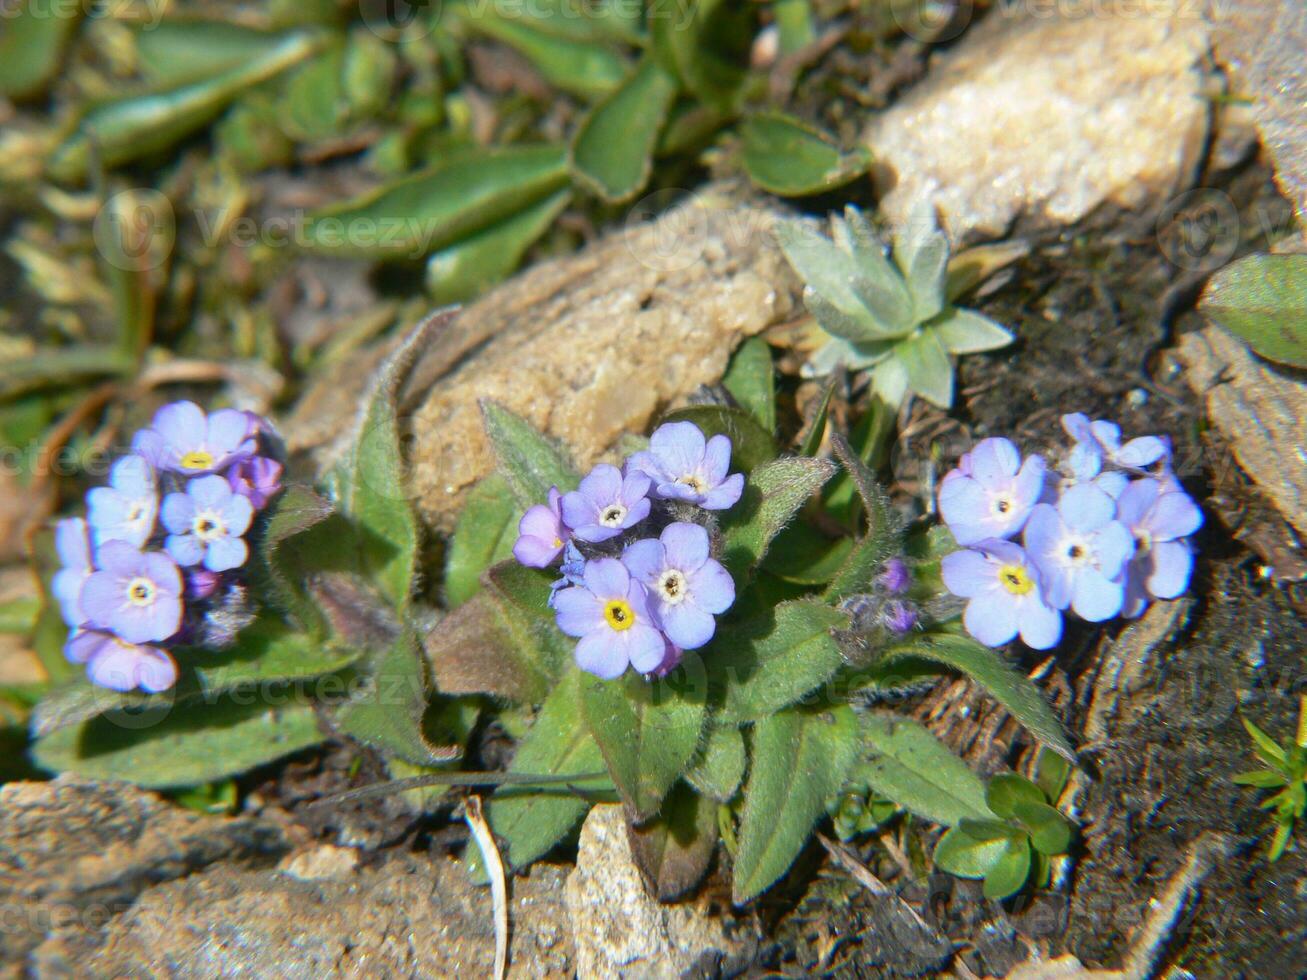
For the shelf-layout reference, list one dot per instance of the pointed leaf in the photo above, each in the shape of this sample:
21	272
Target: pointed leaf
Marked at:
800	758
531	821
773	494
968	332
929	372
673	852
612	152
883	536
917	771
647	730
770	662
1261	778
1266	747
292	512
816	430
529	461
483	536
751	381
827	271
921	252
719	768
1263	300
972	266
787	156
1012	689
961	854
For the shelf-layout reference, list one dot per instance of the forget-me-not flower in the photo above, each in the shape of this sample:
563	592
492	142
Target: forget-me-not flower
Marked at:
994	499
606	503
74	548
134	594
687	587
541	533
124	510
114	663
183	439
1003	587
257	477
1160	520
610	616
1080	549
1104	437
205	524
685	466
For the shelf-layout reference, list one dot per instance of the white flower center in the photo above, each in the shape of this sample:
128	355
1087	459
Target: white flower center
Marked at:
672	587
1079	552
612	515
1003	505
140	591
208	526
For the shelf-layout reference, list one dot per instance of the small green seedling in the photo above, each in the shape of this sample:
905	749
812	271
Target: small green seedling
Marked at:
1013	849
1286	771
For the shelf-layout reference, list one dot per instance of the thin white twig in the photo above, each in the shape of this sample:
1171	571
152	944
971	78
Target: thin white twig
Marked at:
485	840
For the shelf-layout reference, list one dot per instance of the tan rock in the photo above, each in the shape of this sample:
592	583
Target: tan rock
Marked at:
620	931
1040	117
594	345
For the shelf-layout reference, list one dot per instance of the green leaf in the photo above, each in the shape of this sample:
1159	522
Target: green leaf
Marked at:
961	854
972	266
751	381
751	444
1007	789
531	821
32	44
803	555
930	374
883	536
369	483
816	430
502	641
1266	747
673	852
831	274
612	152
917	771
530	462
968	332
767	663
921	252
202	744
434	209
466	268
174	52
1263	300
647	730
1051	774
291	512
483	536
773	494
787	156
800	759
1011	688
719	768
572	63
1009	873
1050	832
386	711
128	127
1261	778
705	43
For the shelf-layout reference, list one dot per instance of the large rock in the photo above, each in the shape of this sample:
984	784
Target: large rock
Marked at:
621	931
74	853
1041	119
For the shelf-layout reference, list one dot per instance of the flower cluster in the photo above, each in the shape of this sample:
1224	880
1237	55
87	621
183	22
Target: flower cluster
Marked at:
1104	533
160	545
630	598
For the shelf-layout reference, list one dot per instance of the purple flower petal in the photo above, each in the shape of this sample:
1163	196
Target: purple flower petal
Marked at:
645	647
966	573
599	654
1094	597
607	578
180	423
1040	626
686	545
1114	545
1175	515
186	549
225	554
678	447
712	587
227	429
717	458
994	461
1085	507
645	559
686	625
725	495
1172	565
992	619
578	611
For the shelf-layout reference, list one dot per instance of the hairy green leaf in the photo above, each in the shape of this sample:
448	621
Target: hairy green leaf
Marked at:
483	536
1050	832
1263	300
751	381
910	766
1009	873
883	537
803	555
816	430
530	462
800	759
773	494
719	767
673	851
292	512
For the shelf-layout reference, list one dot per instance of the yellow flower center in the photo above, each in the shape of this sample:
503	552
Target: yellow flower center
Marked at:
208	526
140	591
1015	579
694	482
619	614
197	460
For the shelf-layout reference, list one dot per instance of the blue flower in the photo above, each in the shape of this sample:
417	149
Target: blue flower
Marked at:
1080	550
1005	595
994	495
683	466
114	663
258	478
205	524
686	587
1104	438
134	594
606	503
183	439
541	533
126	508
74	548
610	615
1160	520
